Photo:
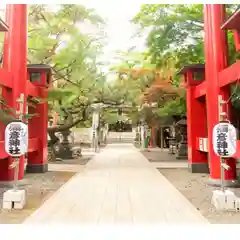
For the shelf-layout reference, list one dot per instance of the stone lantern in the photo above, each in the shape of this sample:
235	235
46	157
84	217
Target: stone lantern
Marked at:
183	147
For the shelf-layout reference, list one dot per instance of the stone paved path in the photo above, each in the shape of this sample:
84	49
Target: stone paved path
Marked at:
118	186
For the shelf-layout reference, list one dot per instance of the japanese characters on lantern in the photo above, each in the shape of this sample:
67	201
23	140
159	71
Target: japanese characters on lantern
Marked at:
16	139
224	139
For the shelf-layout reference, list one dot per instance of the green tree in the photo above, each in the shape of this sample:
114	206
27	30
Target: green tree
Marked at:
55	38
176	36
176	32
135	74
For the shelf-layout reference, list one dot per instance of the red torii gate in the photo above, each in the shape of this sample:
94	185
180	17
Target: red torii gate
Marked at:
17	78
203	92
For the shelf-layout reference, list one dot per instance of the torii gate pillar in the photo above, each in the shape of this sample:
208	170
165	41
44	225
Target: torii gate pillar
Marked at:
216	54
14	61
196	118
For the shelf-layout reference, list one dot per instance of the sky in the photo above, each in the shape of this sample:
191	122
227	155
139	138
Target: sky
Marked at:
118	29
118	15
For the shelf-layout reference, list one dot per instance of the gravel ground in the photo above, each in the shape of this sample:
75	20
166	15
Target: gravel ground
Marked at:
158	156
39	188
195	189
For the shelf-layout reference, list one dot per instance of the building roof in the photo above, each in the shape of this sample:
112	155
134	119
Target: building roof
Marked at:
45	67
233	21
193	67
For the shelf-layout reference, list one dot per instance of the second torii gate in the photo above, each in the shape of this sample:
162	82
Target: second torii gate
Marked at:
204	85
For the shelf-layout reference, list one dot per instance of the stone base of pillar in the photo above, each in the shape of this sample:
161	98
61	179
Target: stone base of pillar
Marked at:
9	184
37	168
182	152
227	183
181	157
198	167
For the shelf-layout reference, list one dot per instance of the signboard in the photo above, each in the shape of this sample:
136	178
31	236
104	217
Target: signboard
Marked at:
16	138
205	144
201	144
224	139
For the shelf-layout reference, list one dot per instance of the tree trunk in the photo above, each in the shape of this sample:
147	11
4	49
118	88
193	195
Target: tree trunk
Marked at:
51	154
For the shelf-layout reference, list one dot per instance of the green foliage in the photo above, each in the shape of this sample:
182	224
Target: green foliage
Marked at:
110	117
173	28
175	39
235	93
174	107
58	94
8	114
129	85
55	38
133	86
176	32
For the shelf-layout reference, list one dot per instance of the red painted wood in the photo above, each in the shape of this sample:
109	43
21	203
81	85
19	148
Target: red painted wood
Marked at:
34	91
41	121
34	144
3	154
6	78
13	78
200	90
15	61
196	121
216	60
229	75
232	23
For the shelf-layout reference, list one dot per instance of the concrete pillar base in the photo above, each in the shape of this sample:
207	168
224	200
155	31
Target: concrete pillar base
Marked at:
182	152
182	157
9	184
227	183
37	168
198	167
